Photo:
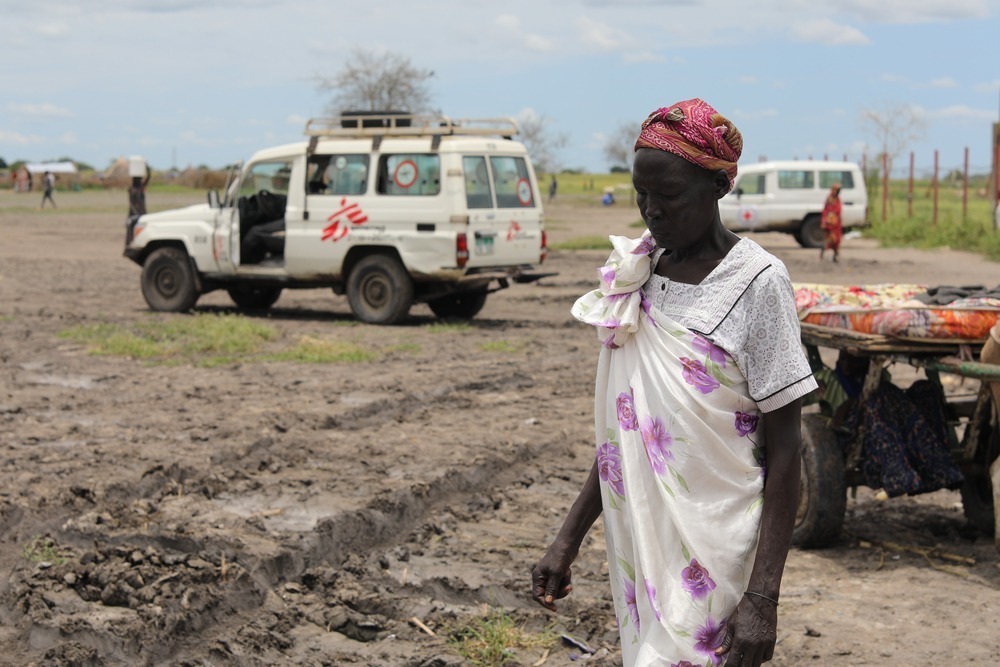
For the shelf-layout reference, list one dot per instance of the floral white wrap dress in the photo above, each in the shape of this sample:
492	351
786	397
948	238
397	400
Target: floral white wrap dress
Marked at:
680	456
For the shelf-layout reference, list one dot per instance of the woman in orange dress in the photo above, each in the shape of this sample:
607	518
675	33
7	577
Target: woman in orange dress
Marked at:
831	223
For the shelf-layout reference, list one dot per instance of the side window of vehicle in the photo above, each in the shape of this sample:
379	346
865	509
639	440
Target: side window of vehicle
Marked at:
337	175
828	178
796	180
409	175
270	176
477	182
511	182
752	184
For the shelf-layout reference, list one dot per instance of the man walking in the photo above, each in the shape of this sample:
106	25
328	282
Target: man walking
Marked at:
50	184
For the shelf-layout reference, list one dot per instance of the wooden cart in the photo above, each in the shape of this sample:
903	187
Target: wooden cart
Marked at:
829	468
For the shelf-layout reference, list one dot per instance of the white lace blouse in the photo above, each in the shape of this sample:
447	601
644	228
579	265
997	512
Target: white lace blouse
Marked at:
746	306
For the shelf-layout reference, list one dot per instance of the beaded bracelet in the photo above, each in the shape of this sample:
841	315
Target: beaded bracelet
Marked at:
763	597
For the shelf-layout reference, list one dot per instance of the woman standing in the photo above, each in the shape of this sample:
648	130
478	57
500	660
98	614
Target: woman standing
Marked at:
831	223
699	387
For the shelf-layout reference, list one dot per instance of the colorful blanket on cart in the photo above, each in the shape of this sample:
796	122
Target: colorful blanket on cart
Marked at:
893	310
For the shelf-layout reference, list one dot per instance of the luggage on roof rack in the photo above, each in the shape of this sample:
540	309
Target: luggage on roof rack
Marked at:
371	124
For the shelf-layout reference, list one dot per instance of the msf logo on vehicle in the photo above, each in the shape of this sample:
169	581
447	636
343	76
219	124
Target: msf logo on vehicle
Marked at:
514	231
342	220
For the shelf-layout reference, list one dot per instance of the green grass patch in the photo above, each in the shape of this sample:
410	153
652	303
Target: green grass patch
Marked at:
310	350
494	640
912	224
504	346
448	327
583	243
204	339
42	549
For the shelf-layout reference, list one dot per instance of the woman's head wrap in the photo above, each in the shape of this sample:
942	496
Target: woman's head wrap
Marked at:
696	132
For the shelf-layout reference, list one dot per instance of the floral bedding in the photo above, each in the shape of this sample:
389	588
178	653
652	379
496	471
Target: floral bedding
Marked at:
892	310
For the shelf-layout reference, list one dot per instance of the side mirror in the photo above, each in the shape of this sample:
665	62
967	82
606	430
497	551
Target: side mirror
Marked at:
213	199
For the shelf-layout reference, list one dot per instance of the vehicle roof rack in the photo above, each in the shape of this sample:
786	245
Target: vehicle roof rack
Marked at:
408	125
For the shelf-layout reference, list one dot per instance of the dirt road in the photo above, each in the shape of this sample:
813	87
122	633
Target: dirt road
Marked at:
279	513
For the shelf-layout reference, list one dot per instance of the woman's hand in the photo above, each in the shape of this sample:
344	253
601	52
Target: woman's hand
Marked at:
552	578
751	633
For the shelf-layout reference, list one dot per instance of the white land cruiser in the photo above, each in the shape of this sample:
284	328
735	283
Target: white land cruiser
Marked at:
389	209
788	196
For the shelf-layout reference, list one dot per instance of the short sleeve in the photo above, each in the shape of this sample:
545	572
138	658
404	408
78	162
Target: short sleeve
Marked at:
771	357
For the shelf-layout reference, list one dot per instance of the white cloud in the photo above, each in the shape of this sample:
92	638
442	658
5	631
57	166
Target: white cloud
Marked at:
988	86
943	82
644	57
528	40
534	42
43	110
68	138
51	30
918	11
603	36
296	119
18	138
960	112
893	78
749	80
508	21
825	31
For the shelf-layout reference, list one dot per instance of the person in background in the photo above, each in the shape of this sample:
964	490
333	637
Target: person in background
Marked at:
700	383
48	185
831	223
553	187
137	194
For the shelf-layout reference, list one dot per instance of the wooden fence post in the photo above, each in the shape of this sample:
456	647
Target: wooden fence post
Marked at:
965	187
934	185
885	185
909	193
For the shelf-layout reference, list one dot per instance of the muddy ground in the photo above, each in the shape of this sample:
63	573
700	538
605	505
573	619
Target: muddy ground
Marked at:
279	513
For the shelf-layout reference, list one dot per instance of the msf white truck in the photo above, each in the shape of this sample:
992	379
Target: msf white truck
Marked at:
388	209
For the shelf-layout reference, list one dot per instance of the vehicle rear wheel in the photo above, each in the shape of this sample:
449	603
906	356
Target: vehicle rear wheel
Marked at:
254	297
380	290
168	281
463	305
811	234
977	488
823	496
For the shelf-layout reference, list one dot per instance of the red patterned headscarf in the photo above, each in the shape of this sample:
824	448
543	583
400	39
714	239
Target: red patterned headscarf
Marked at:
695	131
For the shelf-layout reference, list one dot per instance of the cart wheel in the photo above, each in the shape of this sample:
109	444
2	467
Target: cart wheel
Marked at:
977	489
823	497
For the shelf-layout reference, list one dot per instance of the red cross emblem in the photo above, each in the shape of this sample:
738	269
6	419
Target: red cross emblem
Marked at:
513	230
748	215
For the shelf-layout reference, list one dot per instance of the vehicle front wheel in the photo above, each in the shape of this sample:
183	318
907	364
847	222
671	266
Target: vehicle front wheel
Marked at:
168	281
254	297
463	305
811	234
379	290
823	494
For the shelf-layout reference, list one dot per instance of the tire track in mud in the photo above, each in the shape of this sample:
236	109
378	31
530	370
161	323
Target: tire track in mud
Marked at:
236	580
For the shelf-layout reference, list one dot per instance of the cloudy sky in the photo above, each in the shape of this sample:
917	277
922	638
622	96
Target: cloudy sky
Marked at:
210	81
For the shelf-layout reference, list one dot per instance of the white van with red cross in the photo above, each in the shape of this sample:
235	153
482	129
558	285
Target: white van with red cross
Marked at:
389	209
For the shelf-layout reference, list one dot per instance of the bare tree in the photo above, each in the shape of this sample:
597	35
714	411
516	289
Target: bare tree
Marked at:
542	143
894	127
619	146
377	81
